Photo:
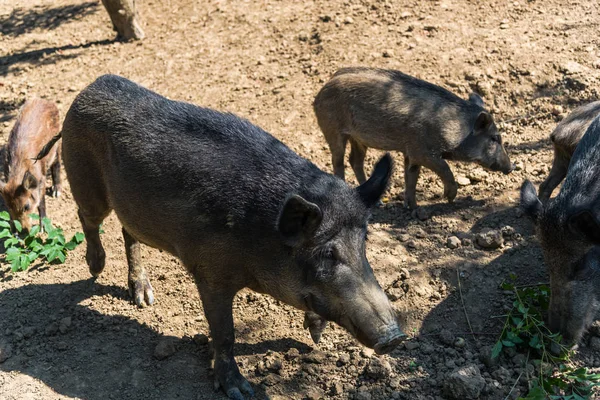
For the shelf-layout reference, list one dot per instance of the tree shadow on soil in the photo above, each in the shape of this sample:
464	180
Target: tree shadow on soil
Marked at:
21	20
104	356
45	56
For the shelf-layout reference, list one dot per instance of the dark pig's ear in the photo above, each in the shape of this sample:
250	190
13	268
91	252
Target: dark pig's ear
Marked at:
29	181
530	202
371	191
483	122
476	99
585	223
299	220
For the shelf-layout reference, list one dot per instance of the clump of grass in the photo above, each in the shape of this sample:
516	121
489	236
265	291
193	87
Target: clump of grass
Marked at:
21	249
525	330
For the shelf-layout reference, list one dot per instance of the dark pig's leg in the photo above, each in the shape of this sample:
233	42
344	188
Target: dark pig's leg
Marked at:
411	176
138	282
558	172
337	145
55	171
94	255
218	304
442	169
357	160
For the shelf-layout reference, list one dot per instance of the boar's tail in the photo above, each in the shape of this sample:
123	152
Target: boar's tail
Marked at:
48	146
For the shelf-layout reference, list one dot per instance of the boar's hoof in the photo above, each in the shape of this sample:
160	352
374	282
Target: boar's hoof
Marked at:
141	291
450	192
390	344
233	383
315	325
95	258
56	191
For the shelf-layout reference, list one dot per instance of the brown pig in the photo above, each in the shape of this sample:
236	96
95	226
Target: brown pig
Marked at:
24	185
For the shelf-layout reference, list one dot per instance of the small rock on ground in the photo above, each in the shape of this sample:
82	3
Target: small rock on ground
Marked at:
464	383
165	348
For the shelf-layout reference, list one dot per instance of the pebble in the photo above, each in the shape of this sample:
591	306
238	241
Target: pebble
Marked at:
378	368
64	325
446	337
201	339
62	346
28	331
491	239
337	389
363	396
292	354
453	242
404	274
595	343
165	348
404	237
315	357
411	345
459	342
463	180
5	351
51	329
314	393
348	20
465	383
343	359
388	53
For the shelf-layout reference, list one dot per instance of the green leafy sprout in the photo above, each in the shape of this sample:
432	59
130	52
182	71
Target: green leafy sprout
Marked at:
23	249
526	331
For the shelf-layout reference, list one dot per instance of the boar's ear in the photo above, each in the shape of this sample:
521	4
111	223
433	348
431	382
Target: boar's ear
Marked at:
29	181
2	185
585	223
476	99
530	202
371	191
299	220
483	122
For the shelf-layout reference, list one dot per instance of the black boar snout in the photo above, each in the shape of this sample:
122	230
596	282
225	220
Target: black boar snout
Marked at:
510	169
391	342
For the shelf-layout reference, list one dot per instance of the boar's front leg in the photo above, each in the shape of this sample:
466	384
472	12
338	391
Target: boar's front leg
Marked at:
557	174
139	285
411	176
218	304
442	169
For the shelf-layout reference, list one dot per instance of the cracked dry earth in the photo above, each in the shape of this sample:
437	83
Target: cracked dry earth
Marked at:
532	61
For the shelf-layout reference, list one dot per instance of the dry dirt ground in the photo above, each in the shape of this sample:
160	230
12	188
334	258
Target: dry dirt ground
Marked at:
532	61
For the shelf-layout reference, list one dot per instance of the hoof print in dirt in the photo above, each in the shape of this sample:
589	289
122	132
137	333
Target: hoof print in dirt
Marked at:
464	383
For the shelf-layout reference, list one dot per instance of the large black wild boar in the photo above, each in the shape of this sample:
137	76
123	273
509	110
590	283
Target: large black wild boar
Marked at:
565	138
237	206
389	110
568	227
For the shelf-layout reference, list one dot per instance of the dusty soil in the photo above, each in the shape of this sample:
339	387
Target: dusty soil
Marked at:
532	61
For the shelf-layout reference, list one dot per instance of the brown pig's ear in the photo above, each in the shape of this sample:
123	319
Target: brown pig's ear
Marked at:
585	223
371	191
29	181
299	220
483	122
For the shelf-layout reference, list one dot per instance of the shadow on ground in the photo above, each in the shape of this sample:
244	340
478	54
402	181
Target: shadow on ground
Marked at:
101	355
21	20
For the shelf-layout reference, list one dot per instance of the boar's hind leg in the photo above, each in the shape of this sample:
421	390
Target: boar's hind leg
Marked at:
411	176
337	144
138	282
55	171
94	254
442	169
557	174
218	310
357	160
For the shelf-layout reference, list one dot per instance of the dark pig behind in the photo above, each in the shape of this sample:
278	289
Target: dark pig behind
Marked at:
24	186
388	110
565	138
568	227
237	206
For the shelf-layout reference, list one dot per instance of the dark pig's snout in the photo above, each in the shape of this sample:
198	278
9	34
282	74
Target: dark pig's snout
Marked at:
390	341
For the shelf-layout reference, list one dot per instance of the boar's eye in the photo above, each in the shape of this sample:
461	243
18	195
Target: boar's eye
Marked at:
26	207
496	138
